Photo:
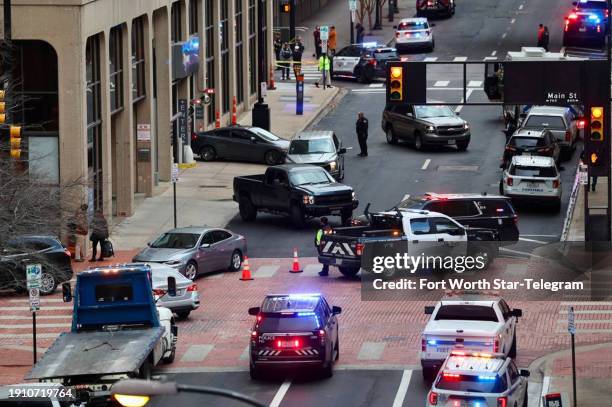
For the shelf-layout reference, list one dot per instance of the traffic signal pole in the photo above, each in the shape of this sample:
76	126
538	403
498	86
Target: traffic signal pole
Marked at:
291	20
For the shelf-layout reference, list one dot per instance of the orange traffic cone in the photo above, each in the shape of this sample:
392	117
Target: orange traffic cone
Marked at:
234	111
217	120
246	270
296	263
271	85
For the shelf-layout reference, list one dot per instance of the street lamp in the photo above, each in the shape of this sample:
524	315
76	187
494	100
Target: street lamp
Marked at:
137	393
261	112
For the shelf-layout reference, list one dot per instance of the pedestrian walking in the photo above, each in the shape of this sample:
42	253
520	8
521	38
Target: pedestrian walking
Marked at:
285	56
545	38
99	233
331	41
317	41
540	35
324	68
359	33
81	229
277	48
362	134
298	49
323	229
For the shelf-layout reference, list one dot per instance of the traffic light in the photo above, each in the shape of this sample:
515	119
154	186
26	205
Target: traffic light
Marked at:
596	126
15	141
286	8
2	108
396	84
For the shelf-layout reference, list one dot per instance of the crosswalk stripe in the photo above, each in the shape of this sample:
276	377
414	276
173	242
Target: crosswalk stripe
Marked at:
474	84
376	85
441	83
430	59
460	59
266	271
196	353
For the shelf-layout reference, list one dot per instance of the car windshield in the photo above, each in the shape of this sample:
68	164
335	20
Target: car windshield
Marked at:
265	134
545	122
413	25
524	142
385	54
314	176
466	313
288	323
175	241
424	112
472	384
532	171
314	146
412	203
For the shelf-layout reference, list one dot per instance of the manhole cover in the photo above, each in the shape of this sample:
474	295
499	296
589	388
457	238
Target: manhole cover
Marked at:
213	186
472	168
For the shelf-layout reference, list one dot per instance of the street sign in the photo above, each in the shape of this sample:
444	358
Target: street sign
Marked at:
553	400
34	299
324	30
352	5
175	173
571	325
182	120
143	132
584	175
33	275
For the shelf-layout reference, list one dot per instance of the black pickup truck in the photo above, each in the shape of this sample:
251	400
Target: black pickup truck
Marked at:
300	191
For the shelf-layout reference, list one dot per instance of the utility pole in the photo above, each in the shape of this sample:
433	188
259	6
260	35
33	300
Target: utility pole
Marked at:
291	20
377	22
261	112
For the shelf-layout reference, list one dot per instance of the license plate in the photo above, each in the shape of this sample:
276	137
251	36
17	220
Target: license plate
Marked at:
451	142
582	29
443	349
287	344
533	185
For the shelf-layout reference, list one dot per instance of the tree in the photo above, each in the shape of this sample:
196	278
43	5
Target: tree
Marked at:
366	8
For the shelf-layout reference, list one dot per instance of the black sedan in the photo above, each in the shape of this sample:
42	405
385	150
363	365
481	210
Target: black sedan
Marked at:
240	143
532	142
47	251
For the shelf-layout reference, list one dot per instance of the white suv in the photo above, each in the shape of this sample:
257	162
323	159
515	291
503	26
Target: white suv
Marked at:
414	32
478	379
533	178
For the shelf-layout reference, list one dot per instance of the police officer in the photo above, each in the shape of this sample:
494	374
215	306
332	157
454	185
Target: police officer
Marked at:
362	134
324	228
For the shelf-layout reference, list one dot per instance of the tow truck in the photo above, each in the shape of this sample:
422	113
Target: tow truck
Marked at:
467	321
117	332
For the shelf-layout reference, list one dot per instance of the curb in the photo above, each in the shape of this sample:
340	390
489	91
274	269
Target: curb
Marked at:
571	206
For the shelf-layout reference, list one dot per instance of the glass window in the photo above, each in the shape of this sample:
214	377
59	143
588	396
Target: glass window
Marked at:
413	203
208	238
466	313
138	60
241	135
424	112
225	65
252	48
288	323
444	225
94	121
176	32
175	241
526	142
193	16
472	384
220	235
116	69
265	134
420	226
343	52
513	373
239	51
113	292
210	57
548	122
314	146
459	208
529	171
314	176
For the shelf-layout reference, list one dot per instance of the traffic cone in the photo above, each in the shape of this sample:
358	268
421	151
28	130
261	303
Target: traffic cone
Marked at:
246	270
296	263
234	111
271	84
217	120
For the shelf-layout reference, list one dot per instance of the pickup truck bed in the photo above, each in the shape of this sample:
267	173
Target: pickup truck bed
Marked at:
96	353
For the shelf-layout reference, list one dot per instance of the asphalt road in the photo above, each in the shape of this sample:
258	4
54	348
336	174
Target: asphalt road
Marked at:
480	28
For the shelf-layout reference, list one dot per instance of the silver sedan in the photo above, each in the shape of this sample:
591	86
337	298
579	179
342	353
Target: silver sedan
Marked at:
187	297
196	250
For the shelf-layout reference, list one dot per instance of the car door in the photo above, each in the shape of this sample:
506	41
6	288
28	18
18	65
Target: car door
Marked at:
222	249
451	236
276	191
352	59
516	393
221	142
329	322
245	146
205	254
509	325
409	122
464	211
421	237
338	146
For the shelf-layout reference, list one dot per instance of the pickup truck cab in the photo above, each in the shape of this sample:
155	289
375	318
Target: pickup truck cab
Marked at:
468	322
415	231
117	332
300	191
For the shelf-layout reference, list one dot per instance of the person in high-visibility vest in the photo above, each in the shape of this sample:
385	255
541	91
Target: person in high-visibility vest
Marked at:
324	68
324	228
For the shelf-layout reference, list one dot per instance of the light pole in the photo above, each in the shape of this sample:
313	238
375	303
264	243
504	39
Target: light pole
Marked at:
377	22
261	112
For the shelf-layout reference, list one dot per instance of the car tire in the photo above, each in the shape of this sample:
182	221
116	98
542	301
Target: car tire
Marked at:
272	157
361	76
462	145
337	349
418	142
391	137
429	374
512	353
328	370
248	213
48	283
236	261
350	272
191	270
208	153
254	372
297	215
182	315
432	46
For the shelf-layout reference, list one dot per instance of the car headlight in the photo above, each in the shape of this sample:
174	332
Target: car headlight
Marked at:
353	195
430	129
466	126
333	165
308	199
174	263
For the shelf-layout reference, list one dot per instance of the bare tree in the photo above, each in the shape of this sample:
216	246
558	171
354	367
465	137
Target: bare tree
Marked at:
366	8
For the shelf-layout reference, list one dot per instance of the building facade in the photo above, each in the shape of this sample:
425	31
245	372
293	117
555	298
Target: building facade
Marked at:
103	99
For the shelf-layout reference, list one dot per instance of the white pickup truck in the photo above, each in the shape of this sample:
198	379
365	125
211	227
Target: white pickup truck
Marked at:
474	323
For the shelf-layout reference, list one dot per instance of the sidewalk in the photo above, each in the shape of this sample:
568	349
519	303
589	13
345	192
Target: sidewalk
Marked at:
598	198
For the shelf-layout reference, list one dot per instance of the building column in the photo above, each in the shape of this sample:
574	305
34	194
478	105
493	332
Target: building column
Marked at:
246	104
183	84
106	132
231	24
161	32
269	35
217	62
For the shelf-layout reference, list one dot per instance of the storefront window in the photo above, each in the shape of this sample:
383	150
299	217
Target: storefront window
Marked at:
210	56
94	121
252	48
239	50
225	66
116	69
138	60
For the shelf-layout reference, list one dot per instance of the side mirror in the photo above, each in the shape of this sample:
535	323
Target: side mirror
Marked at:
172	286
336	310
429	309
342	150
67	292
517	312
204	245
253	140
524	372
254	311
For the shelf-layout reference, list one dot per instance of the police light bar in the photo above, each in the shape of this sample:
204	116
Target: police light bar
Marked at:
369	44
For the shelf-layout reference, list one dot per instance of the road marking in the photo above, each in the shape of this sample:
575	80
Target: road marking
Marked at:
280	394
460	59
42	302
371	351
441	83
503	249
430	59
197	353
474	84
494	53
468	93
539	235
44	335
524	239
521	6
426	164
513	21
266	271
376	85
38	317
504	35
585	312
492	58
402	389
545	385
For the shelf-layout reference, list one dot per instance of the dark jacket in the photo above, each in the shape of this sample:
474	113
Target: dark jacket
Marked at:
99	228
362	126
285	54
297	53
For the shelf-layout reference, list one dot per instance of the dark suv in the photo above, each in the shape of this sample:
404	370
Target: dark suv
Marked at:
294	330
472	210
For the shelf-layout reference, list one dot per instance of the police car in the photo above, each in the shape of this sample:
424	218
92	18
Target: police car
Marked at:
294	330
364	62
413	33
584	27
472	379
534	178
